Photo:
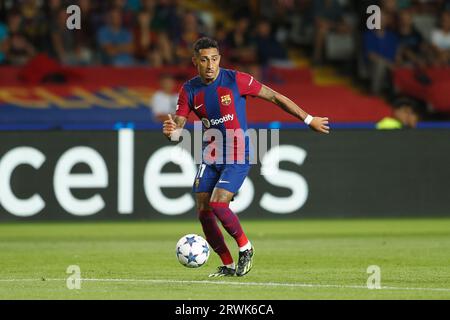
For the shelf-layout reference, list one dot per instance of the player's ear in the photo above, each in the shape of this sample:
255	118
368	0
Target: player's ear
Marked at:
194	61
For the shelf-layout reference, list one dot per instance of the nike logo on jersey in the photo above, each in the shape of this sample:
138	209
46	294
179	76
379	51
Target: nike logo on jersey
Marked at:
224	181
196	107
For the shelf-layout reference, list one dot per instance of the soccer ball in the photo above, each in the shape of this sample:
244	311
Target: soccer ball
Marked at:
192	251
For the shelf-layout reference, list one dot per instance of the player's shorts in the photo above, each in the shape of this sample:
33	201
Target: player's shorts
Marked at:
225	176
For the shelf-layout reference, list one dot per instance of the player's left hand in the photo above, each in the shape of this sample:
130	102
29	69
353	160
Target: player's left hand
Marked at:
320	125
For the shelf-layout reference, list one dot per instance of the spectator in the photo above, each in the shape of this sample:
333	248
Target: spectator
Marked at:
85	37
405	114
52	8
239	39
328	17
115	41
125	11
281	15
413	50
18	49
92	19
221	36
35	25
389	7
167	18
3	38
269	50
441	39
66	43
164	100
188	36
145	40
380	48
150	46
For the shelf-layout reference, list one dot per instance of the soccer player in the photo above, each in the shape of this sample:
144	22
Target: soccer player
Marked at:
218	97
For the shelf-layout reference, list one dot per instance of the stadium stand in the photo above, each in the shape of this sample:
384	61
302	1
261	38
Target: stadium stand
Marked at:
45	71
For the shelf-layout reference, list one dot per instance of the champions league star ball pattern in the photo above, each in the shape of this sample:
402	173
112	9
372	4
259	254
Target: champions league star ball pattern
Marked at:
192	251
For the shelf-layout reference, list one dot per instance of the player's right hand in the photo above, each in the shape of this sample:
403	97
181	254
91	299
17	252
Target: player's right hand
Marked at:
169	126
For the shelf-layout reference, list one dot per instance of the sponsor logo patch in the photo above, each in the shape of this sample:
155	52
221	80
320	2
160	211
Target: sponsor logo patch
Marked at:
206	123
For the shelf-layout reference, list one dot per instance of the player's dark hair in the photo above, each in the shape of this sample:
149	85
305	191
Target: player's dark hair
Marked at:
205	43
405	101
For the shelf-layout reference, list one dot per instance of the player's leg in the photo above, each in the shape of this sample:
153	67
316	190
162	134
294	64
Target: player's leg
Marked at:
213	235
204	183
230	181
220	203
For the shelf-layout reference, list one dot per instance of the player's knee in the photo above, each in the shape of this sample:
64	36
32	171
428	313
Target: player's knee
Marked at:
203	206
202	201
216	205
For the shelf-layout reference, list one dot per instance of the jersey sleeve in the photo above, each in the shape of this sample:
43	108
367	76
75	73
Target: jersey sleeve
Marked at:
183	108
247	85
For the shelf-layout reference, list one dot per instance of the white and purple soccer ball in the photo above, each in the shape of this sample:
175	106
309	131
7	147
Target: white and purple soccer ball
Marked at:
192	251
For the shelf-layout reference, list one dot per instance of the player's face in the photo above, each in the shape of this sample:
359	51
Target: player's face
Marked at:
207	62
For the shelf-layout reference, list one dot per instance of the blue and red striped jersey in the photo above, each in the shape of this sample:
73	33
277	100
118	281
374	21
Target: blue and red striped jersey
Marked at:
220	104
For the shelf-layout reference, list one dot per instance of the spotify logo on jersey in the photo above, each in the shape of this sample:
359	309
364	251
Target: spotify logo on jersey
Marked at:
207	123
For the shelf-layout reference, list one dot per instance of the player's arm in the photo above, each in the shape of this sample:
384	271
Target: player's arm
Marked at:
316	123
172	124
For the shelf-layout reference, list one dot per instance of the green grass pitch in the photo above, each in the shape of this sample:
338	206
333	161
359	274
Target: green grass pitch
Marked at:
295	259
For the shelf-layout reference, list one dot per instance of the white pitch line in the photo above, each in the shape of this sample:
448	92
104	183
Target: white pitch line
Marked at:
268	284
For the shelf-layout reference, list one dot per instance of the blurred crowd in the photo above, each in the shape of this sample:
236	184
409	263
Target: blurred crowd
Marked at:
127	32
415	35
161	32
412	33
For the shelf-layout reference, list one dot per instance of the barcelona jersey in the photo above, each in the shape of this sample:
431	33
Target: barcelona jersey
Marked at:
221	105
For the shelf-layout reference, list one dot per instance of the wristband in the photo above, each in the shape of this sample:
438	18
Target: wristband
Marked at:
308	119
